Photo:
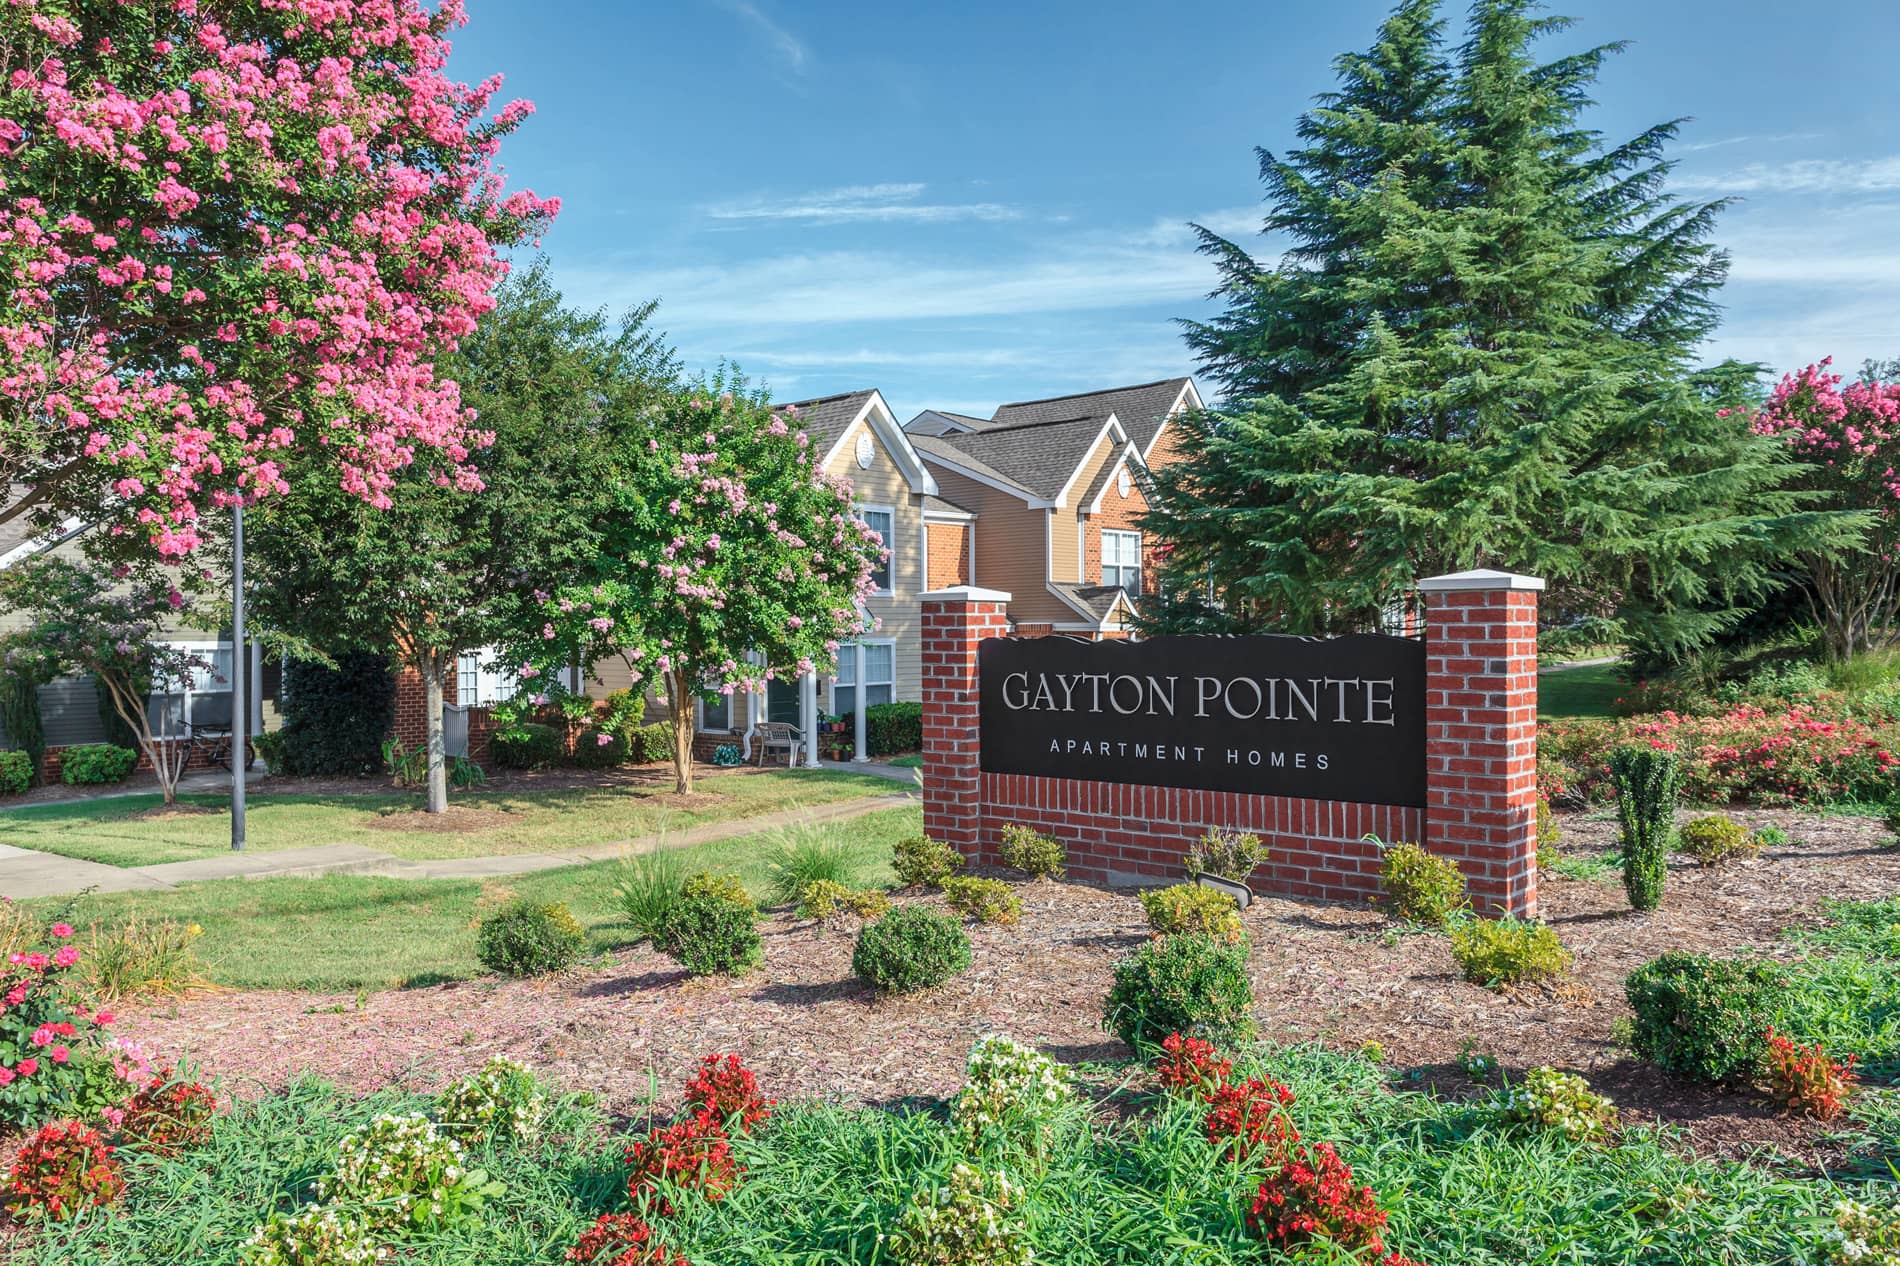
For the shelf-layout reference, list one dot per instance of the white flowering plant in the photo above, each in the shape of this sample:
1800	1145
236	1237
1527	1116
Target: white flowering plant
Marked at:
972	1220
319	1235
402	1170
1010	1090
1865	1234
504	1100
1550	1100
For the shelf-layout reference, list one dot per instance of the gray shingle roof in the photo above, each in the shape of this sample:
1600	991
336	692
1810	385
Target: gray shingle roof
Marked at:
929	422
943	505
939	446
1037	456
1099	599
1140	409
826	418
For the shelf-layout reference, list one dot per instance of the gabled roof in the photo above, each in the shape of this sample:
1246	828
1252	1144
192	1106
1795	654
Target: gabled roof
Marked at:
828	419
1097	601
1039	458
943	422
1141	409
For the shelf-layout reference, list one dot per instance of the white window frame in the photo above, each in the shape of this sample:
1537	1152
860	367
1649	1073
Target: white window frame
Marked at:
890	543
198	681
732	710
1121	569
848	654
494	683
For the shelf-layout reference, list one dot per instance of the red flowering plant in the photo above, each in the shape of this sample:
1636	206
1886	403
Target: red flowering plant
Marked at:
694	1154
54	1059
63	1170
1191	1067
726	1088
622	1239
1312	1199
1249	1122
1807	1078
167	1116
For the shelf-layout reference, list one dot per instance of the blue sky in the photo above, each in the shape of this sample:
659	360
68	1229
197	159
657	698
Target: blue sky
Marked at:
975	203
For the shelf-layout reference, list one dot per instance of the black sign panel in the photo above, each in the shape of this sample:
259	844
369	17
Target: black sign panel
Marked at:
1329	719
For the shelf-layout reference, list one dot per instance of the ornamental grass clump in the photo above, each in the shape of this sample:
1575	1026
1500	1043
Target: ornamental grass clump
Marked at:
1190	908
1181	984
649	886
1706	1018
982	900
921	862
402	1171
1507	951
64	1169
1562	1102
530	938
1419	886
1230	855
318	1235
504	1100
1037	855
1647	785
911	948
712	936
974	1219
1012	1094
1716	838
803	854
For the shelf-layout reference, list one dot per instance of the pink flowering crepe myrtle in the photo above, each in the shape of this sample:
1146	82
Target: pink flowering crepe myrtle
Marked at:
233	235
728	545
1849	437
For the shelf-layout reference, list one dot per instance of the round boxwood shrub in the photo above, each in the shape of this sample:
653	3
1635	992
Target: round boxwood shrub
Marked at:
16	773
529	938
599	749
1704	1017
710	934
1421	887
92	763
529	745
1716	838
910	948
1193	984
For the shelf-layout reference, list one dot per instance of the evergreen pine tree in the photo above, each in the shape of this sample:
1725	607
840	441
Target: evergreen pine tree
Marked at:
1479	351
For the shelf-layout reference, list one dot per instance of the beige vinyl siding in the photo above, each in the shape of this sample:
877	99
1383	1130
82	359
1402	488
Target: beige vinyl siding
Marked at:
899	613
1011	550
1065	545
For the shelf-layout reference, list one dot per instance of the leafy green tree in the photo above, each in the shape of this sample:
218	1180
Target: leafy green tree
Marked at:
1478	350
450	566
726	557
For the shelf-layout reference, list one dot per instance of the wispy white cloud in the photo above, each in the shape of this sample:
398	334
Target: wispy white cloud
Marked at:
788	46
1808	175
1848	247
974	358
1725	142
859	204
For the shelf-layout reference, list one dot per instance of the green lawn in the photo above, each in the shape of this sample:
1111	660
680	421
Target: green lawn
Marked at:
128	830
346	932
1575	693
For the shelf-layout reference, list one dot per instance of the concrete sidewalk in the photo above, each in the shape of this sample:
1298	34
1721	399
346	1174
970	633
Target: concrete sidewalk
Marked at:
25	873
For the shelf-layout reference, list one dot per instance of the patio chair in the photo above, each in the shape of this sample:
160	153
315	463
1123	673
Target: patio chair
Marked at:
773	736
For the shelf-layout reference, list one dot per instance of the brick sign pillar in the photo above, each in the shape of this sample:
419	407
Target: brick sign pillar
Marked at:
956	620
1481	740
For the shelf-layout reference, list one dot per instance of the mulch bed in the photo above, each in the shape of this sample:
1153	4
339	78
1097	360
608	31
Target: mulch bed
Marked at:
1340	975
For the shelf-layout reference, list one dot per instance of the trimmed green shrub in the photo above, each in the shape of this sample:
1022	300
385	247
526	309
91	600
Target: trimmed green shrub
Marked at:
622	713
821	899
910	948
1190	908
1234	855
20	713
706	884
921	862
530	745
92	763
1891	817
984	900
1035	854
529	938
890	728
1716	838
711	935
652	744
1704	1017
1647	781
335	719
1549	834
599	749
1507	951
16	773
1194	985
269	747
1420	886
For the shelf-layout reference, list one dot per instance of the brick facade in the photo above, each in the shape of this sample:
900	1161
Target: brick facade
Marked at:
1481	693
948	549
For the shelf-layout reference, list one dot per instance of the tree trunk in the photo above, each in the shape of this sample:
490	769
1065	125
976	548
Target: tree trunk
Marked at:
678	689
167	759
431	664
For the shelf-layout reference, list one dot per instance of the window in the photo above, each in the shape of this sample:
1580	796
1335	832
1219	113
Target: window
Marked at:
185	698
880	677
480	679
879	521
715	712
1121	560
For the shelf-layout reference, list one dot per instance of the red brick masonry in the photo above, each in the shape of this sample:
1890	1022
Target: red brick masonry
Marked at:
1481	744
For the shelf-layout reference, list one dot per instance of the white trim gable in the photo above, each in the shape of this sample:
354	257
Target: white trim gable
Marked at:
877	415
1112	426
1188	391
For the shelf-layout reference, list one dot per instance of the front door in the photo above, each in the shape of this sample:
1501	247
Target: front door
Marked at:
781	701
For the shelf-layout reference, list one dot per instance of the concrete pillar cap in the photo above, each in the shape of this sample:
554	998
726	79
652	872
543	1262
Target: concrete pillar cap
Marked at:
965	593
1479	578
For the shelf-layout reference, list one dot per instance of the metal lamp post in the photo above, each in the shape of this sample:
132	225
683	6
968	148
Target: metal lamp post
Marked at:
240	695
